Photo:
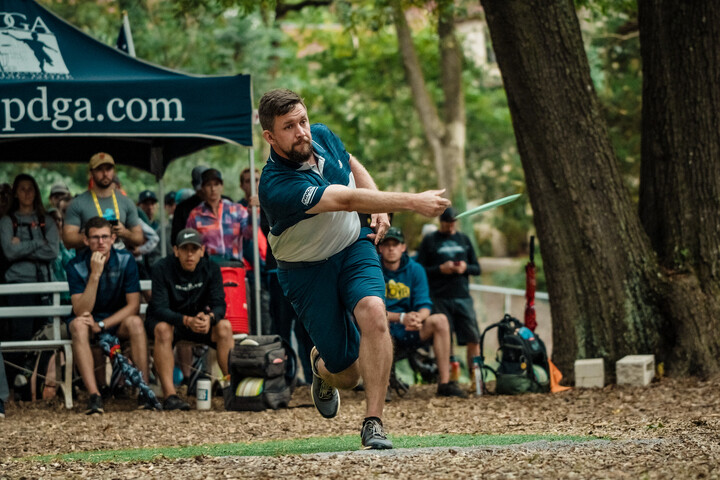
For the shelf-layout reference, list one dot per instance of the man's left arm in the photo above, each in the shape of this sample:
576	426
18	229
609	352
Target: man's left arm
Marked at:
132	307
131	231
380	222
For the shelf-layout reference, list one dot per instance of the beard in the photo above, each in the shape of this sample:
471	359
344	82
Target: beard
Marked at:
103	182
300	155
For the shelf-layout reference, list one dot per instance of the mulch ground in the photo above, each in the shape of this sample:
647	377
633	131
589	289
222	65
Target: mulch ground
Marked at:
670	429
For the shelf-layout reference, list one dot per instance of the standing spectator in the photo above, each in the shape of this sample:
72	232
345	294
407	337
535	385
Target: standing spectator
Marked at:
449	259
29	240
188	303
185	206
407	299
311	189
58	190
148	203
102	201
222	223
105	294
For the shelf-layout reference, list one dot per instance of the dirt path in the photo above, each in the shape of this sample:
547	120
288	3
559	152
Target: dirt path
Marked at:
670	429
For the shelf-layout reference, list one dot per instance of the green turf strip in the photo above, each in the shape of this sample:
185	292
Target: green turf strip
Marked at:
299	446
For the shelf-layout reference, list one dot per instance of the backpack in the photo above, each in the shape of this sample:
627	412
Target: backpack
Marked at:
262	374
523	363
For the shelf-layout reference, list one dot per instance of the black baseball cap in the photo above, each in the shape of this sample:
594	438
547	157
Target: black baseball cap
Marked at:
188	235
394	233
196	176
170	197
146	195
448	215
211	174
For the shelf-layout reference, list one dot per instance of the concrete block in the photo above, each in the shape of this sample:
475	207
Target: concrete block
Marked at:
590	373
637	370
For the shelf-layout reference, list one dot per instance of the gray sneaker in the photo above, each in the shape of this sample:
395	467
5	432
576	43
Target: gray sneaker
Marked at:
325	397
373	435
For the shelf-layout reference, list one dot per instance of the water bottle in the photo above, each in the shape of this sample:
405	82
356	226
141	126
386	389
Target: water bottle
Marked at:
454	369
204	394
477	367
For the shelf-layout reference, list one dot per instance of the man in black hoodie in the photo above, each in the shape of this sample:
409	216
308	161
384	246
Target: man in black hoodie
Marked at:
188	303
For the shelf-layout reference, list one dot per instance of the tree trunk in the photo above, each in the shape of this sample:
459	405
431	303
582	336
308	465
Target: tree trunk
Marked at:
445	136
680	171
601	270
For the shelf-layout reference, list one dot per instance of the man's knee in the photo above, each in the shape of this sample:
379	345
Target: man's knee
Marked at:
79	332
134	325
371	315
440	323
222	330
163	333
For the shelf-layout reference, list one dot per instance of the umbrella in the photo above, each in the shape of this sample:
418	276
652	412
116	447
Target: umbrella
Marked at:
530	321
111	346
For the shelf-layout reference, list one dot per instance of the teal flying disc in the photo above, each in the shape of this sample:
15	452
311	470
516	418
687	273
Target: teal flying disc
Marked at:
489	205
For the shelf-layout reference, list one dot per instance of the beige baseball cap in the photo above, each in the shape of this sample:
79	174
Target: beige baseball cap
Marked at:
100	158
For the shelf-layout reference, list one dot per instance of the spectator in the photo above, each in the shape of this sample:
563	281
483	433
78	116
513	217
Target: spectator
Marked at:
105	293
449	259
170	204
64	255
222	223
29	240
101	200
186	205
148	204
407	299
57	191
188	303
248	253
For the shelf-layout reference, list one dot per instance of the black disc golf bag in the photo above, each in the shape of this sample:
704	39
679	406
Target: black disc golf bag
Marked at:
263	371
522	359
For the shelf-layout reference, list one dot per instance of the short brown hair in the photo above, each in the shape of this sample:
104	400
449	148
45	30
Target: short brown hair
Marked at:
276	103
96	222
247	170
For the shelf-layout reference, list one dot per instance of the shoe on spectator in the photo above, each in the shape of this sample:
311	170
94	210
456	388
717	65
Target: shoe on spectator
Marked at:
325	397
451	389
2	409
95	405
144	402
373	435
173	402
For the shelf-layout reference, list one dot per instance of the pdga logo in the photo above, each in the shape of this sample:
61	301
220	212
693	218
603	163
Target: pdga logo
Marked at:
28	49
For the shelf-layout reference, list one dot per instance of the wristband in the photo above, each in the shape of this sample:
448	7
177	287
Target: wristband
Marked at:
402	318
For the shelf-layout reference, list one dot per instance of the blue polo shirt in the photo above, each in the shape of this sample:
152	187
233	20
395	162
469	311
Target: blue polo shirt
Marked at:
119	277
287	190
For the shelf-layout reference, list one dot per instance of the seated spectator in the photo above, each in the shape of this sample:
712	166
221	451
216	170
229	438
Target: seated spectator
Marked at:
57	191
105	295
29	239
188	303
148	204
408	304
187	199
222	223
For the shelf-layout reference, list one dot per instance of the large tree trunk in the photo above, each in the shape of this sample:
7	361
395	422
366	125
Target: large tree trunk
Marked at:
680	173
602	272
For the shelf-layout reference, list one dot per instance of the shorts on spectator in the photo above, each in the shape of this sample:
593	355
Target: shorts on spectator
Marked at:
180	333
461	316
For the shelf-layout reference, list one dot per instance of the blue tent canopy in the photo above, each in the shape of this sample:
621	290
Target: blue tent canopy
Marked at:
65	96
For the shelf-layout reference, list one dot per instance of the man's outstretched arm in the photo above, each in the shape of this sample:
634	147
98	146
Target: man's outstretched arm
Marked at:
337	198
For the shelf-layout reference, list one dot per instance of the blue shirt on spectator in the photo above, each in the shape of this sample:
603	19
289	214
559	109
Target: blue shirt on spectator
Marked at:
119	277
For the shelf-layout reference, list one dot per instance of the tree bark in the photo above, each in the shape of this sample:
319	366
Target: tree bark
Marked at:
601	270
680	170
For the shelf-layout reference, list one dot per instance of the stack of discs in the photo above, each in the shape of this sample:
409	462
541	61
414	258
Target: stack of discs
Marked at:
250	387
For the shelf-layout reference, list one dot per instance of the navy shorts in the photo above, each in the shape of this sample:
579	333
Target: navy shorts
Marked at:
324	296
461	316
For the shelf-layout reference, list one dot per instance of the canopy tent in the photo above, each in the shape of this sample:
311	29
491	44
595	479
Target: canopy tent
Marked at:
65	96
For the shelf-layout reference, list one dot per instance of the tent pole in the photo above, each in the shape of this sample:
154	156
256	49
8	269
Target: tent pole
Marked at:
256	248
163	218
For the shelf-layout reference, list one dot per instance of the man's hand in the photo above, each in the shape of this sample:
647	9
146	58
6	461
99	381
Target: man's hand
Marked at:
120	231
200	323
430	203
97	263
460	267
254	201
380	222
412	321
447	268
15	240
87	319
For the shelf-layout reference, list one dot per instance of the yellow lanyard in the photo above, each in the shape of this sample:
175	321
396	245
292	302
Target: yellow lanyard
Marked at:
115	204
